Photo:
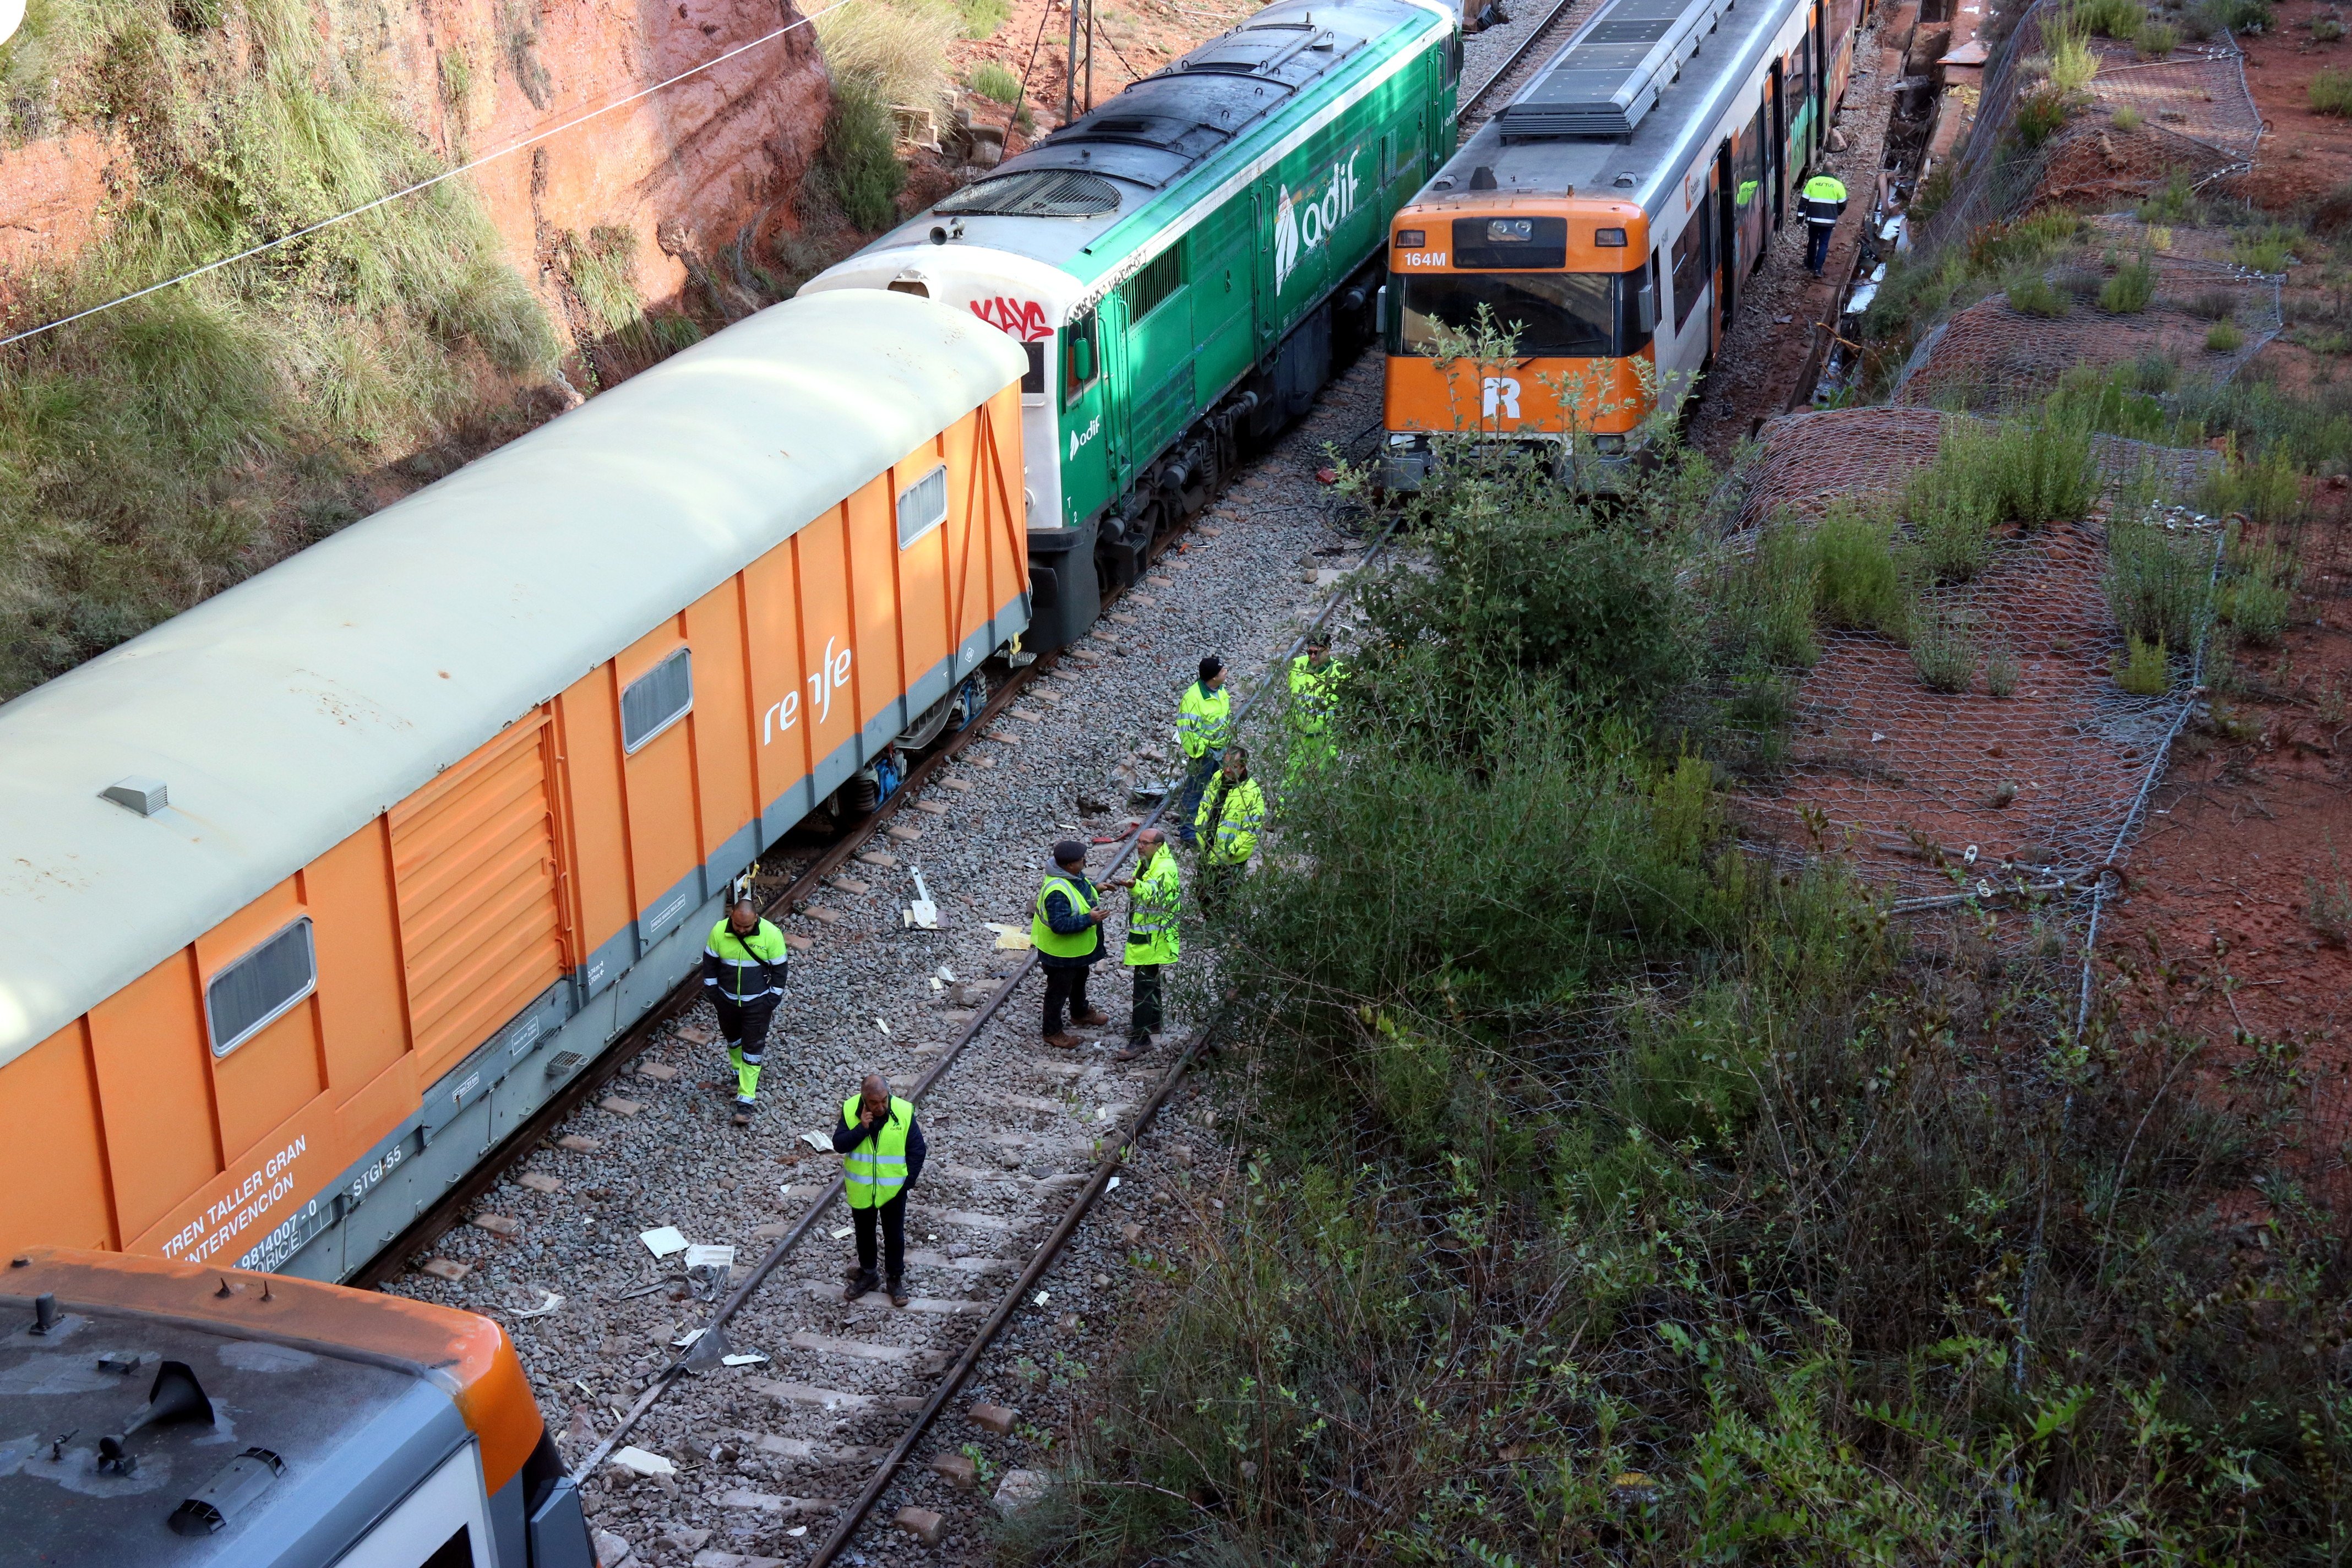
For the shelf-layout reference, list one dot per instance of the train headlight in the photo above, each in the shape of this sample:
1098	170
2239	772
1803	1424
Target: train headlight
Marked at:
1609	237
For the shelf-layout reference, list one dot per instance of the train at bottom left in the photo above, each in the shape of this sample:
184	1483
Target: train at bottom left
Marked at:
179	1416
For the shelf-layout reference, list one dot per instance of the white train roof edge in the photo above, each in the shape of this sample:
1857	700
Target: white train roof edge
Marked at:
286	712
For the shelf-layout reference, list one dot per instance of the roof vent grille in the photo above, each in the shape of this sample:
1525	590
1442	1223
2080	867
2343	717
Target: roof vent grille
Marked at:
1037	193
1611	71
144	795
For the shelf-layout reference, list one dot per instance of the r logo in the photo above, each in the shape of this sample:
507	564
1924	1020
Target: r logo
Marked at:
1502	397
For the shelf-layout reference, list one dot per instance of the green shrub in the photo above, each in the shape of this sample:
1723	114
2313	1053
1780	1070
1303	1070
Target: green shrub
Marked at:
1943	649
1951	523
2115	399
1857	584
995	81
2158	584
2031	294
2173	202
2212	304
2327	29
2238	16
2125	119
982	17
2331	91
2269	249
2258	591
2109	19
2073	62
2155	39
2001	671
2268	491
2131	289
861	156
2145	670
2224	337
2041	114
1776	600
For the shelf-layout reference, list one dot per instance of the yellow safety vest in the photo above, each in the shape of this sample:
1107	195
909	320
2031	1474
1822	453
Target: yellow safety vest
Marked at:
1151	926
1205	720
875	1170
1313	694
1051	942
1235	814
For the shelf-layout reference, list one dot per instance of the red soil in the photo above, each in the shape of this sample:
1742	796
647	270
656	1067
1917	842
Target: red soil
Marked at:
2303	154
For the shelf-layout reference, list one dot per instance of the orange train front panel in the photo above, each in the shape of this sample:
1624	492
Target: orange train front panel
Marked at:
436	958
1519	316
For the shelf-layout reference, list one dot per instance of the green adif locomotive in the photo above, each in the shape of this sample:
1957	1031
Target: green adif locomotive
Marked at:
1185	264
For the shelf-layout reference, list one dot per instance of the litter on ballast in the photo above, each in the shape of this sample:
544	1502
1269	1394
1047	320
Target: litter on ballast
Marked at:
553	1303
702	1257
639	1461
818	1141
663	1240
748	1358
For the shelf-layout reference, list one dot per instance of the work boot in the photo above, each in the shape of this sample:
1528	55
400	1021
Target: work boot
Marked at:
1063	1040
897	1294
865	1284
743	1110
1134	1049
1092	1018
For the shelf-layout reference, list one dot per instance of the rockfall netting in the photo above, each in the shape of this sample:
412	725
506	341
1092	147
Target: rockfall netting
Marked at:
2198	118
2021	800
1992	353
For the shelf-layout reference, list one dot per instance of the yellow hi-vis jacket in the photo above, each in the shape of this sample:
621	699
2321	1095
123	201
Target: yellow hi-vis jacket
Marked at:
1205	720
1151	923
1053	944
875	1170
1229	818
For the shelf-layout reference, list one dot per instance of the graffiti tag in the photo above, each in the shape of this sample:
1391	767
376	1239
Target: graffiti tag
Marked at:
1020	319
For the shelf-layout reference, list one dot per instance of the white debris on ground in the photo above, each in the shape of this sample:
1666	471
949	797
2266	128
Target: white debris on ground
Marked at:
602	1213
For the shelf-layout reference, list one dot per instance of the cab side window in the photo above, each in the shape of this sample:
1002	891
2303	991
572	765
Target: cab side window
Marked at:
1081	357
1693	265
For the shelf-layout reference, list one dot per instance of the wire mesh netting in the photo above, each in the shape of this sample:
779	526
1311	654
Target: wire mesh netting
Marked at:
1991	353
2196	117
1942	795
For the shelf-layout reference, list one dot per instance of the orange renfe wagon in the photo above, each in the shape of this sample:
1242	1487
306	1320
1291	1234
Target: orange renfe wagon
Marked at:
311	895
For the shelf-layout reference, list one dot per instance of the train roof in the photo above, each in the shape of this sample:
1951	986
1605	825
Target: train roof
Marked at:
353	1395
1644	167
286	712
1108	166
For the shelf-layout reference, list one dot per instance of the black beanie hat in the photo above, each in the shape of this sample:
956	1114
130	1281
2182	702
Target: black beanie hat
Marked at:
1211	666
1069	852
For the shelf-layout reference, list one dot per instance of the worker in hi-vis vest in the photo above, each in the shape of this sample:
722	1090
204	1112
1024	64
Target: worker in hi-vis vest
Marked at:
881	1148
1823	200
1155	905
1231	814
1066	930
1204	724
743	964
1314	693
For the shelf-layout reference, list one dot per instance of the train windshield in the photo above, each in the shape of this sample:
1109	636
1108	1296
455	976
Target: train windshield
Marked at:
1580	315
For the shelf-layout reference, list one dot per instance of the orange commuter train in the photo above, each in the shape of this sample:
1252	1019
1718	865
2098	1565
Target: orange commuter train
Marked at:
1603	221
176	1415
312	894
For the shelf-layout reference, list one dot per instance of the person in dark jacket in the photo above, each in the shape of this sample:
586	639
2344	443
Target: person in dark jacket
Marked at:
881	1146
743	964
1066	928
1821	201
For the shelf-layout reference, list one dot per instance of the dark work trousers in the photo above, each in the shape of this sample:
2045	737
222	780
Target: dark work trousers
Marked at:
745	1024
1143	1018
1064	987
1817	245
894	1237
1217	885
1198	771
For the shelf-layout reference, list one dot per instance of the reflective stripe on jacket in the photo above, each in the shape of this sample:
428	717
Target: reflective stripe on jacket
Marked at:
874	1170
1824	199
745	969
1080	892
1235	811
1313	694
1205	720
1153	918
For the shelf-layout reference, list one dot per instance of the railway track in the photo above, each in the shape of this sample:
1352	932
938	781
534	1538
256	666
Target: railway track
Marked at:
1526	57
834	1405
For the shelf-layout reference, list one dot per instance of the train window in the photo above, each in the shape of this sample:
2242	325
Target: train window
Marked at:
1079	366
657	700
457	1551
1694	264
1515	244
922	506
1747	161
1579	314
261	987
1453	57
440	1523
1150	289
1800	72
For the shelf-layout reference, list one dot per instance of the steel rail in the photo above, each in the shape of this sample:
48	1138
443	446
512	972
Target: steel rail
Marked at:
447	1211
1541	33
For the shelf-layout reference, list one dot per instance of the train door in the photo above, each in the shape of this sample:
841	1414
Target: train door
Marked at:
1776	147
1266	310
1816	78
1750	166
1726	241
1120	366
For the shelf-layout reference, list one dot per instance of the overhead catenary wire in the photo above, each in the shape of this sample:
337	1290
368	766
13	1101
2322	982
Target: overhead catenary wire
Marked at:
425	184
